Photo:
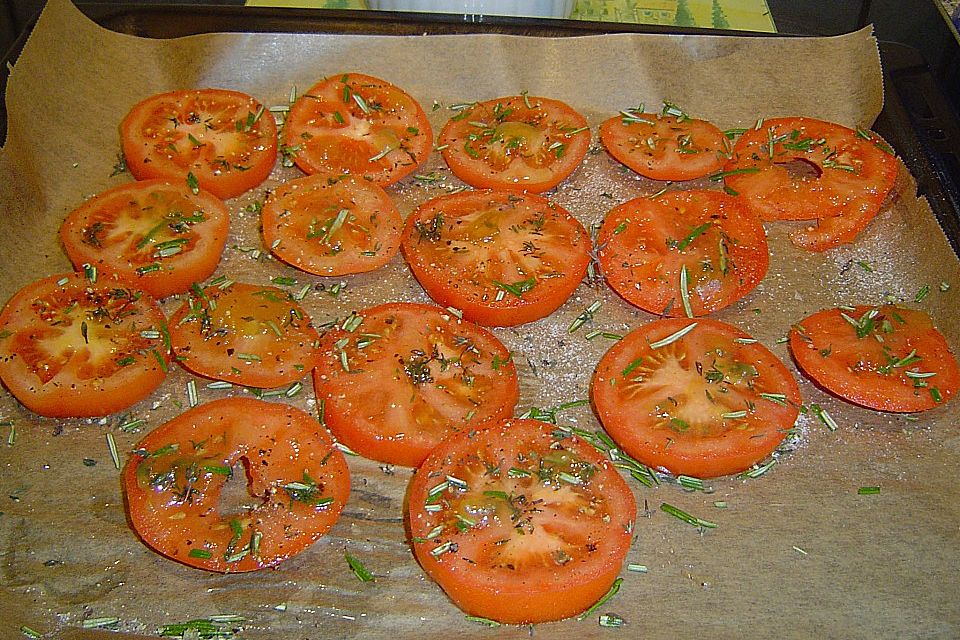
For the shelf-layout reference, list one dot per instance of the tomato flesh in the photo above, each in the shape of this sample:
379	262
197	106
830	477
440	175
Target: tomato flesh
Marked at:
664	147
887	358
682	253
297	482
357	124
519	524
332	225
503	259
710	403
806	169
225	140
516	143
243	333
75	348
397	379
155	234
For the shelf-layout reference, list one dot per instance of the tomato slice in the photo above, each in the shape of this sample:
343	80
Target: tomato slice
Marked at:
806	169
519	523
75	346
155	234
357	124
699	398
224	139
296	479
332	225
664	146
397	379
517	143
501	258
683	252
256	336
887	358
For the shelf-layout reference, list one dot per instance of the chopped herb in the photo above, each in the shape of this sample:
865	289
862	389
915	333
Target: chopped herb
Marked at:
479	620
112	446
611	620
358	569
686	517
614	588
868	491
192	183
517	288
659	344
922	293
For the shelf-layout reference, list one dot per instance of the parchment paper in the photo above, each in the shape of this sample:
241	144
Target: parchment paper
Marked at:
797	552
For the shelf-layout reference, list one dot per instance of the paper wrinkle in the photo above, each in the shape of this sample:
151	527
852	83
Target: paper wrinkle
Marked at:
797	552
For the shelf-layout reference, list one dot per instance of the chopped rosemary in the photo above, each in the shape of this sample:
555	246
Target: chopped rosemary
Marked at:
614	588
868	491
358	569
686	517
659	344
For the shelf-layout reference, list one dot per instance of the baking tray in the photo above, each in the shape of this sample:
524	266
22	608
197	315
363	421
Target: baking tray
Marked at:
918	119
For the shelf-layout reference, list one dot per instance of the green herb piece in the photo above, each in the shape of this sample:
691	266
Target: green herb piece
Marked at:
358	569
192	183
486	621
685	291
203	554
584	317
693	235
686	517
112	446
99	623
922	293
611	620
517	288
614	588
868	491
824	417
30	633
673	337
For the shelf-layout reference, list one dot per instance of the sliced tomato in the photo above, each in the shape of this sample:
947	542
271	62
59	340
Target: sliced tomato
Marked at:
297	483
518	143
669	145
332	225
156	234
806	169
223	141
357	124
699	398
520	523
72	345
397	379
683	252
888	358
501	258
256	336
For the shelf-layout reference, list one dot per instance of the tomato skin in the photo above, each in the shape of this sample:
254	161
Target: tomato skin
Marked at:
345	124
646	243
548	535
469	249
299	478
257	336
73	348
515	143
852	173
666	407
407	377
865	371
155	234
664	147
225	139
303	225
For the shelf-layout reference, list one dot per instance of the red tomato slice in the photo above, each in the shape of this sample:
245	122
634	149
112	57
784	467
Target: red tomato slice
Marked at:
157	235
252	335
518	143
332	226
74	347
806	169
225	139
665	146
297	480
886	358
397	379
519	523
705	403
358	124
502	258
647	245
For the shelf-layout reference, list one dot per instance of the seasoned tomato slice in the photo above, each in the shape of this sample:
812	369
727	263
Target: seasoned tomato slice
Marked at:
256	336
699	398
224	141
332	225
397	379
806	169
669	145
519	523
517	143
156	234
78	346
502	258
682	253
357	124
297	483
887	358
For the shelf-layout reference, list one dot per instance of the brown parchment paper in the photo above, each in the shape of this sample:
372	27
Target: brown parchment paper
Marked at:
797	553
